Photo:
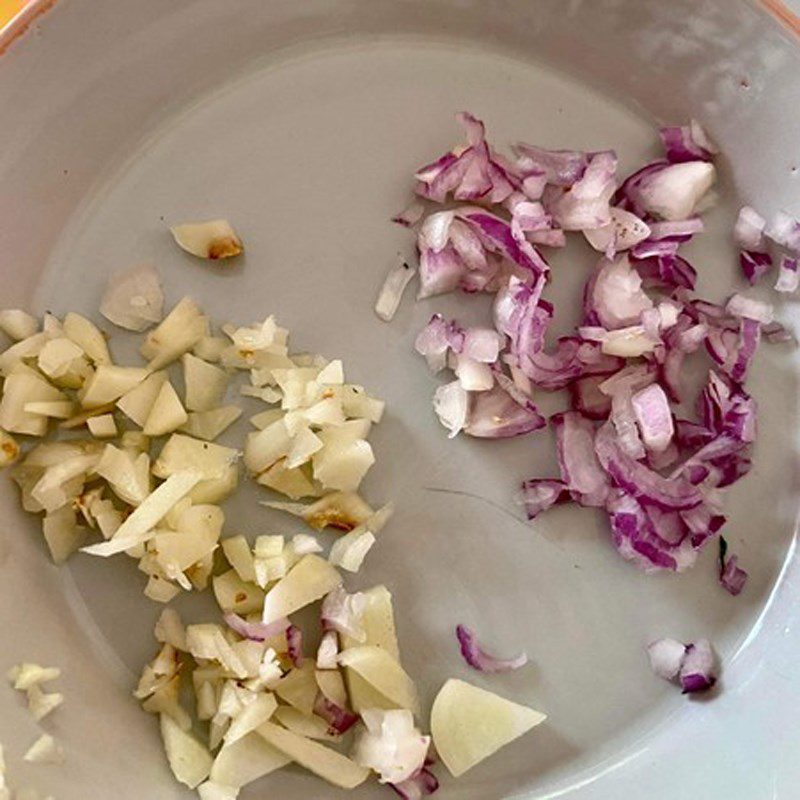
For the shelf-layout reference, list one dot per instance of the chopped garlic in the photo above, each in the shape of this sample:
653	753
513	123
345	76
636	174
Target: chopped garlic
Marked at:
178	333
102	426
303	543
128	476
45	750
169	629
188	759
57	356
210	424
167	413
62	533
88	337
57	409
207	641
217	791
5	792
210	348
138	527
40	703
205	384
21	387
313	443
268	546
349	551
328	651
17	324
160	590
214	239
25	675
109	383
138	402
9	449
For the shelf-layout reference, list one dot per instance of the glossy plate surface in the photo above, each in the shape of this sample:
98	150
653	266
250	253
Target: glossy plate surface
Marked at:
302	124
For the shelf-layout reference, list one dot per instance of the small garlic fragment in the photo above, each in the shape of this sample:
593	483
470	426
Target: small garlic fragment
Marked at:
45	750
214	239
9	449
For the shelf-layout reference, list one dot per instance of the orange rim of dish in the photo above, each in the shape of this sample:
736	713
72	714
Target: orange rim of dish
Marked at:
782	14
35	8
22	20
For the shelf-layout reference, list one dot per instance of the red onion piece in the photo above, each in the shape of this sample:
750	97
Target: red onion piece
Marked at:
682	229
659	479
748	232
674	191
784	229
475	173
294	641
410	215
479	659
439	272
692	664
580	469
436	339
731	576
501	413
653	414
561	167
257	631
639	480
697	670
418	786
741	306
788	275
754	265
586	204
617	296
539	494
681	145
339	719
588	399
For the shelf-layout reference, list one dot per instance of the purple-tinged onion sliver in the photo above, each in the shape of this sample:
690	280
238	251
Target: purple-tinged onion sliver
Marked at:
339	719
257	631
479	659
416	787
692	665
294	642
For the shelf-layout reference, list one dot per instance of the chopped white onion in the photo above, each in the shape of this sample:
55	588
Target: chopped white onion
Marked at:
391	292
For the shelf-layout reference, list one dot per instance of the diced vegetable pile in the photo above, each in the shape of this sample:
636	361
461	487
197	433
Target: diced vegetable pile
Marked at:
625	442
127	463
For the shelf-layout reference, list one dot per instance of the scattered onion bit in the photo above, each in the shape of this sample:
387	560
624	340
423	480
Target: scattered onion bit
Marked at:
691	665
479	659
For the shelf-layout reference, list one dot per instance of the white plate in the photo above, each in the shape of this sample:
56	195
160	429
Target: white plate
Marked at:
302	123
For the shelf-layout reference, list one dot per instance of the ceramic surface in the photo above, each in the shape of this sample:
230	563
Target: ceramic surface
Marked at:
302	123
